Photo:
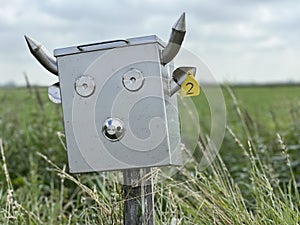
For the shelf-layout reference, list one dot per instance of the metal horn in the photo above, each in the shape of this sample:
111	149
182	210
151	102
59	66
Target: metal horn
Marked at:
42	55
175	41
179	76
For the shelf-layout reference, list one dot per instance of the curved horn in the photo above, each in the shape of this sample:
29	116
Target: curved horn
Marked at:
42	55
175	41
179	76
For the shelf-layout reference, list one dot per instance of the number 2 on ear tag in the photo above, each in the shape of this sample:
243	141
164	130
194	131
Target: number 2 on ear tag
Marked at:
190	87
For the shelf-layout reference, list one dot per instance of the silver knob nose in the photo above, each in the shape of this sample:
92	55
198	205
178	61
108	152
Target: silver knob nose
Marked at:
113	129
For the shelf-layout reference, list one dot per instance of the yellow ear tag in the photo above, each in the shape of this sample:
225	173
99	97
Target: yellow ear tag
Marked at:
190	86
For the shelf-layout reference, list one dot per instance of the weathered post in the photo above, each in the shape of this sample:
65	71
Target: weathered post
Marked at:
138	197
120	109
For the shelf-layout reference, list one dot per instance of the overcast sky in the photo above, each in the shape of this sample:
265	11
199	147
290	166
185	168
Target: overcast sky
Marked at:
240	40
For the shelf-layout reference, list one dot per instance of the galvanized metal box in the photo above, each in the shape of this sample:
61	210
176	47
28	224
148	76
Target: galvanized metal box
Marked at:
118	113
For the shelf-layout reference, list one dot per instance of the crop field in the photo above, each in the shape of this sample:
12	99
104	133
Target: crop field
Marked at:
254	180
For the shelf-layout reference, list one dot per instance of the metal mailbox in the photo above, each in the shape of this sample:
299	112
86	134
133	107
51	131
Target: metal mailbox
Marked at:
117	99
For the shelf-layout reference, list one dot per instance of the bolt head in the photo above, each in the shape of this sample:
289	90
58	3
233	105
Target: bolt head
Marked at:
133	80
85	86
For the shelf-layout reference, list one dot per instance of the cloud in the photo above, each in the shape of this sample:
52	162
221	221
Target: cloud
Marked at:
246	39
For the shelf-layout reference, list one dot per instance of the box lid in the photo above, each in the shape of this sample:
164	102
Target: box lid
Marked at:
108	45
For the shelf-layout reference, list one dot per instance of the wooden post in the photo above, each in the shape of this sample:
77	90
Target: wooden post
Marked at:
138	196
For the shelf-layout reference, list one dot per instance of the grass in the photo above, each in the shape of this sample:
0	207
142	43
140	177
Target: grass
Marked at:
255	179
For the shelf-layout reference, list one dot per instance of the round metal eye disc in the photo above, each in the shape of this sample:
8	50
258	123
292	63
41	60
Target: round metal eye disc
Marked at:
133	80
54	93
113	129
85	86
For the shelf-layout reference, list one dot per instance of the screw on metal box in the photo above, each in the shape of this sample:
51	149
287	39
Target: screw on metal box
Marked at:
133	80
85	86
113	129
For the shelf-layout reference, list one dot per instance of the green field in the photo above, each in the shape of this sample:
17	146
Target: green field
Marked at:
255	180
